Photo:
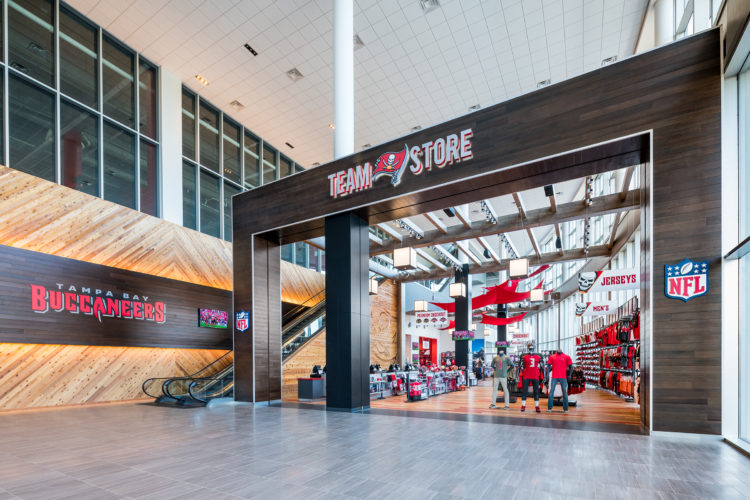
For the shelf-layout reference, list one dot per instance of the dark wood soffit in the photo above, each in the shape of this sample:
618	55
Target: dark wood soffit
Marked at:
654	89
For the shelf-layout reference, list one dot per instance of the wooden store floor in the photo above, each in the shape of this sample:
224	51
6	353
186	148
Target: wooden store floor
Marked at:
597	410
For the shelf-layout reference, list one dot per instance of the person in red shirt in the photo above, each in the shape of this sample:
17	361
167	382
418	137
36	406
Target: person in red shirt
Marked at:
530	375
561	365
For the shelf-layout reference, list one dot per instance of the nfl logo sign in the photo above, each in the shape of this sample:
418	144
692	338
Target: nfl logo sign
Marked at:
243	321
686	280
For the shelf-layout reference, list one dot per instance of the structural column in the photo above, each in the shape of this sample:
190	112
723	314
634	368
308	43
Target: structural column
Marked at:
347	312
502	330
463	318
343	78
257	343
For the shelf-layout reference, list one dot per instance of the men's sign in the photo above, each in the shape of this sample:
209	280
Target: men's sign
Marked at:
686	280
595	308
434	319
438	153
609	281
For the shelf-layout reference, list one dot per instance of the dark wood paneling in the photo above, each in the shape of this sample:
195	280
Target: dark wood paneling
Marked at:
19	269
673	93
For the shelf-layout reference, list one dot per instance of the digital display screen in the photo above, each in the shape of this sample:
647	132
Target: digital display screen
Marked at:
212	318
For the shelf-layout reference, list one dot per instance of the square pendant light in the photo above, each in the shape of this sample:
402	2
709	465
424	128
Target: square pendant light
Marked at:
420	305
537	295
373	286
405	258
456	290
518	268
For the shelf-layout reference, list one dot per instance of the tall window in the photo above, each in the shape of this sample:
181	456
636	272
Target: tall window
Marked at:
221	158
82	107
744	264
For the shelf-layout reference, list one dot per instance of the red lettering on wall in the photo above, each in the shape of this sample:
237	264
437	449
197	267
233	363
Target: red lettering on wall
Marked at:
126	309
148	311
159	316
113	307
56	300
39	299
138	310
71	302
85	301
99	308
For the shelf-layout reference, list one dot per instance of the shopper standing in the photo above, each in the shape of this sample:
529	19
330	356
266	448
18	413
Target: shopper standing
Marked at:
530	375
562	366
500	365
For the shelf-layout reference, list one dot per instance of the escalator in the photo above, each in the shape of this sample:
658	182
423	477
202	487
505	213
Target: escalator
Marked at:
300	325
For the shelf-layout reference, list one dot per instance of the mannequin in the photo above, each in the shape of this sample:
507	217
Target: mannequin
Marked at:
530	373
500	363
561	366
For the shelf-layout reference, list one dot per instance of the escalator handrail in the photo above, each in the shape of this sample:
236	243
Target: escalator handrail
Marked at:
307	317
307	339
301	307
292	337
192	375
224	389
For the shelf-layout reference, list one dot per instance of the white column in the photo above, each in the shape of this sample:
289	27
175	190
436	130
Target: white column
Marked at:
170	132
343	78
702	15
664	21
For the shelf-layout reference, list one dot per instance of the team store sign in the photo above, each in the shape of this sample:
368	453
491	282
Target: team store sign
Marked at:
609	281
438	153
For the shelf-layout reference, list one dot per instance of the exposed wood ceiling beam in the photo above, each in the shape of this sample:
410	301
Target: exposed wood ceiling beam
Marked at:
482	241
522	212
464	247
626	182
552	202
519	205
535	218
534	243
615	225
436	222
462	212
548	258
376	239
429	258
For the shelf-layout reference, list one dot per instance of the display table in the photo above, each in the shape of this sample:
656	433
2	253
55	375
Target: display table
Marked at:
310	388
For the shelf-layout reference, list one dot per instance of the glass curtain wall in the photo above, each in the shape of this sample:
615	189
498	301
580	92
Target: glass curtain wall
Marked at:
743	82
221	158
72	117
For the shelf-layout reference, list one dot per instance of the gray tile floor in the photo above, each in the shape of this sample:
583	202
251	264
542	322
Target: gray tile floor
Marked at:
142	451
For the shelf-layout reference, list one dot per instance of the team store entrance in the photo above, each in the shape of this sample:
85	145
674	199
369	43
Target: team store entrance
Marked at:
578	293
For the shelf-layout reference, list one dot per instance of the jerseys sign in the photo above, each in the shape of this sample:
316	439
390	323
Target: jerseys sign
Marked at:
595	308
438	153
608	281
686	280
95	302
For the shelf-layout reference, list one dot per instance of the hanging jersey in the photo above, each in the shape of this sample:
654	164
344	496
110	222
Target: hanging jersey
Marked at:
531	364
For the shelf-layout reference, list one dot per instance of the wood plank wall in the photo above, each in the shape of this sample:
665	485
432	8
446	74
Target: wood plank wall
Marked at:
45	217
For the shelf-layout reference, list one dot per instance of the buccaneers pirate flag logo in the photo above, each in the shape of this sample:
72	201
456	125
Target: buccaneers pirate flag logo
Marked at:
391	164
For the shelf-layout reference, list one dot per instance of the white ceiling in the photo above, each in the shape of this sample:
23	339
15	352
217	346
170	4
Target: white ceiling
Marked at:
415	68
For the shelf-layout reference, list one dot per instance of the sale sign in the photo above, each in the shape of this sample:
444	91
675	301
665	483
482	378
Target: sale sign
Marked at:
595	308
609	281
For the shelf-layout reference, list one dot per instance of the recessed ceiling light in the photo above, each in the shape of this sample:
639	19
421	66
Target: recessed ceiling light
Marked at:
203	81
429	5
316	164
250	49
418	127
609	60
543	83
331	126
289	145
236	105
358	43
474	107
365	146
294	74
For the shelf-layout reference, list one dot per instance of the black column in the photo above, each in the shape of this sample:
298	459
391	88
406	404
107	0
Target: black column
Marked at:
347	312
502	330
463	319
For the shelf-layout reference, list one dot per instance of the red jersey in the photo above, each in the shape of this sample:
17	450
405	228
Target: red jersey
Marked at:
560	363
531	364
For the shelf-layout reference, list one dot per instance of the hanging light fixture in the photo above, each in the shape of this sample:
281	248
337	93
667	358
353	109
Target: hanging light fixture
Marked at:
457	290
537	295
518	268
405	258
373	286
420	305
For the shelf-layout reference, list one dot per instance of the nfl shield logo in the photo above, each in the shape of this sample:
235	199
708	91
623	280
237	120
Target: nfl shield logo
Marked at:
243	321
686	280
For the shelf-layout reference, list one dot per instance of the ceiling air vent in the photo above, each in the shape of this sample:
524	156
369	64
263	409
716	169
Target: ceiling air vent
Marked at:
418	127
294	75
250	49
429	5
236	105
474	107
543	83
609	60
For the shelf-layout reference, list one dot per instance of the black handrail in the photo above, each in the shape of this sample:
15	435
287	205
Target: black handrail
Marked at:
299	308
165	380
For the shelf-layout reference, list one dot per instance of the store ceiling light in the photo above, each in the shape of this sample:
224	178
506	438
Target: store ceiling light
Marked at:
429	5
250	49
405	258
487	254
457	290
537	295
331	126
236	105
295	75
450	212
518	268
420	305
474	107
373	286
543	83
203	81
558	243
